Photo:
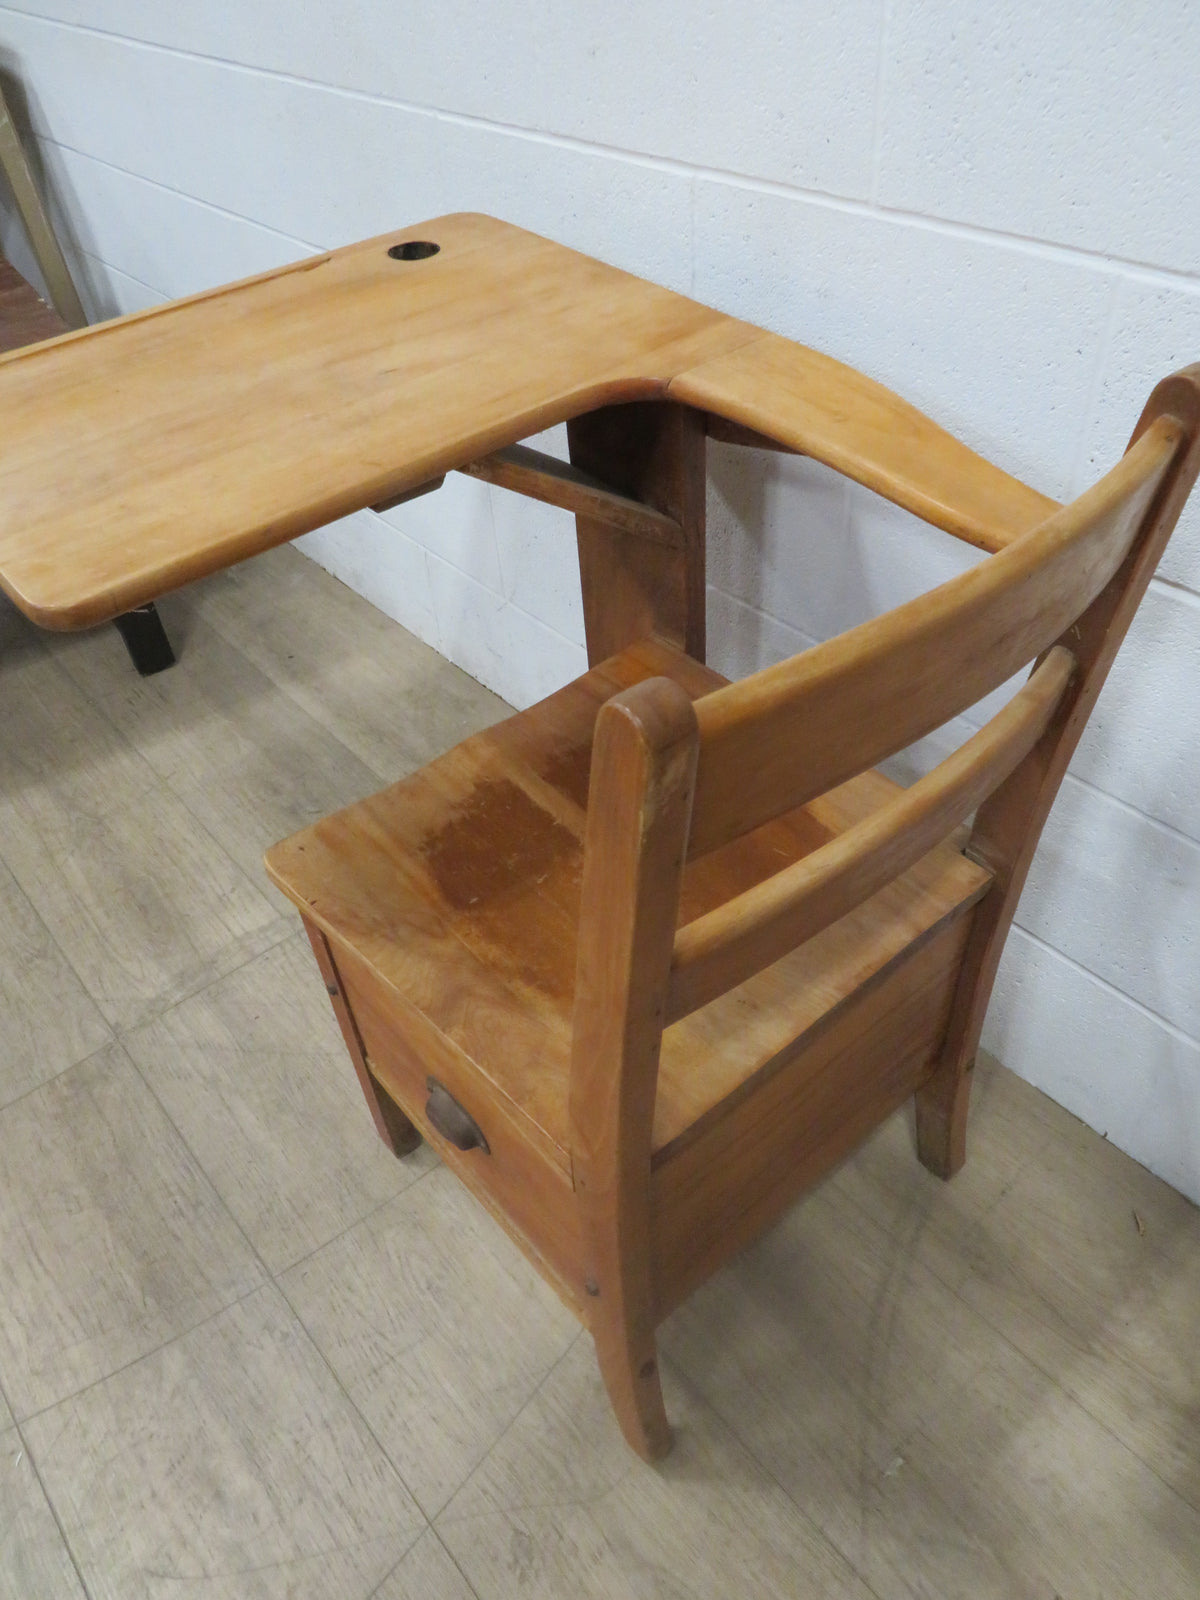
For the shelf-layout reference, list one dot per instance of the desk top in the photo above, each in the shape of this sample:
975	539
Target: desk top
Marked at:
145	452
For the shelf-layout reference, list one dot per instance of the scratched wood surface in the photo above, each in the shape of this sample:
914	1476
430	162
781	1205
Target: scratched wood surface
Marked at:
460	888
986	1388
144	452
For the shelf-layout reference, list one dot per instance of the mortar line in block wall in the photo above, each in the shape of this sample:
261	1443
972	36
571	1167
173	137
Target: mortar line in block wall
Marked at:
1144	271
1146	1011
881	65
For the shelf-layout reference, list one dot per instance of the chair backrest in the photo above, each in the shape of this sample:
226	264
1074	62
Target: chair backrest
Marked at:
671	781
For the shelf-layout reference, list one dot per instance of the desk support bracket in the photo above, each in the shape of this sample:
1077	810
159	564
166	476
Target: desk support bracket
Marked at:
652	452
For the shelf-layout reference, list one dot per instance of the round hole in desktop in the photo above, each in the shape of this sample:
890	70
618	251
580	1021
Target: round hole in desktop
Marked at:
414	250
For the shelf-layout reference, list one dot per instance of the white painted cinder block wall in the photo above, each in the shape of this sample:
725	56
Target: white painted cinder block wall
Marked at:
990	207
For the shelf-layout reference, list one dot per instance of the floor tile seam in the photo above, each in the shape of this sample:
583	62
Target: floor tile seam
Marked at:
282	685
36	1088
279	686
226	1209
278	1273
145	1355
727	1421
1073	1399
63	957
395	771
98	709
999	1331
360	1414
433	1534
440	1515
53	1509
122	1031
826	1538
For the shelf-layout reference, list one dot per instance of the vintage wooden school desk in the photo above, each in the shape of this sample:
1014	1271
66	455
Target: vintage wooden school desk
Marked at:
644	961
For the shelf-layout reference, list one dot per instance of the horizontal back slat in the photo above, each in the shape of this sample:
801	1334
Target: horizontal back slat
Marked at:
755	928
793	731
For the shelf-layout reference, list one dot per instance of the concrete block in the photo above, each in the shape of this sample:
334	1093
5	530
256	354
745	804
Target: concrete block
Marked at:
1065	122
495	641
317	164
1128	1075
573	195
1120	895
1143	741
374	558
455	523
1155	330
997	344
161	237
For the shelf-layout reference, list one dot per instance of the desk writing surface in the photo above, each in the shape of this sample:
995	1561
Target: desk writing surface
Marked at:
142	453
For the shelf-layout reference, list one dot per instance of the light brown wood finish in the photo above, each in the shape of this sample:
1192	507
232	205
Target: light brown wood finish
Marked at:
558	483
639	807
392	1126
145	452
1009	824
761	924
860	697
807	402
665	941
655	454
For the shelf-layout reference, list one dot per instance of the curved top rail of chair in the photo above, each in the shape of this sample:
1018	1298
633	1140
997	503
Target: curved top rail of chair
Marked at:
148	451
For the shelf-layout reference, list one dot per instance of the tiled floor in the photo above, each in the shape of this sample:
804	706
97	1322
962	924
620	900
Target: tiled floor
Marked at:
245	1353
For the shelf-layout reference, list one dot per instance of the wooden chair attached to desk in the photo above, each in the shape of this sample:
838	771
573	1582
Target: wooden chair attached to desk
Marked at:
644	961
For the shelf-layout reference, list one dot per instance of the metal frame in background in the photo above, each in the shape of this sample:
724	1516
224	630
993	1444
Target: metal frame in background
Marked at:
142	630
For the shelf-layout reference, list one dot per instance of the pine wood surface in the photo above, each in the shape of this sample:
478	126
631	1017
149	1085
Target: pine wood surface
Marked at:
460	888
145	452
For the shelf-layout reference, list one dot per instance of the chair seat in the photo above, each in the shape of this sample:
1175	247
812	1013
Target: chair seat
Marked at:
453	897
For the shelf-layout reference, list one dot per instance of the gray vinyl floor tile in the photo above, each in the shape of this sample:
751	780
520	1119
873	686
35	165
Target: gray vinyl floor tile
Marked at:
111	1237
50	1020
140	899
254	1073
426	1572
561	1506
35	1563
436	1324
228	1465
394	701
248	762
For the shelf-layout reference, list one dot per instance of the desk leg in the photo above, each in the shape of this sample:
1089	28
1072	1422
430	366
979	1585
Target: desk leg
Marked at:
652	451
146	640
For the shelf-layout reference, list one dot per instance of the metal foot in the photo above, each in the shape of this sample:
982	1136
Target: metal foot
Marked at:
146	640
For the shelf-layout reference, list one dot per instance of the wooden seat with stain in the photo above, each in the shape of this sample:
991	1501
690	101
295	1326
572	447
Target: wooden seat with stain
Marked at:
645	961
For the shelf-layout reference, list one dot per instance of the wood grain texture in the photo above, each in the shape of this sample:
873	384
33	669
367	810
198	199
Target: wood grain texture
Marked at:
1009	824
631	588
639	808
852	701
458	889
148	451
558	483
807	402
717	1189
229	1462
25	318
113	1239
34	1559
760	925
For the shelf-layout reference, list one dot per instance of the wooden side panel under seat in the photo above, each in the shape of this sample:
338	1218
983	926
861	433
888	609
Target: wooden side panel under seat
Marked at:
714	1194
528	1194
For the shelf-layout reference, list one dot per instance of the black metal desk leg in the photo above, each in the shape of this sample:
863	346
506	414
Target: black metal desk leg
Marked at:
146	640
